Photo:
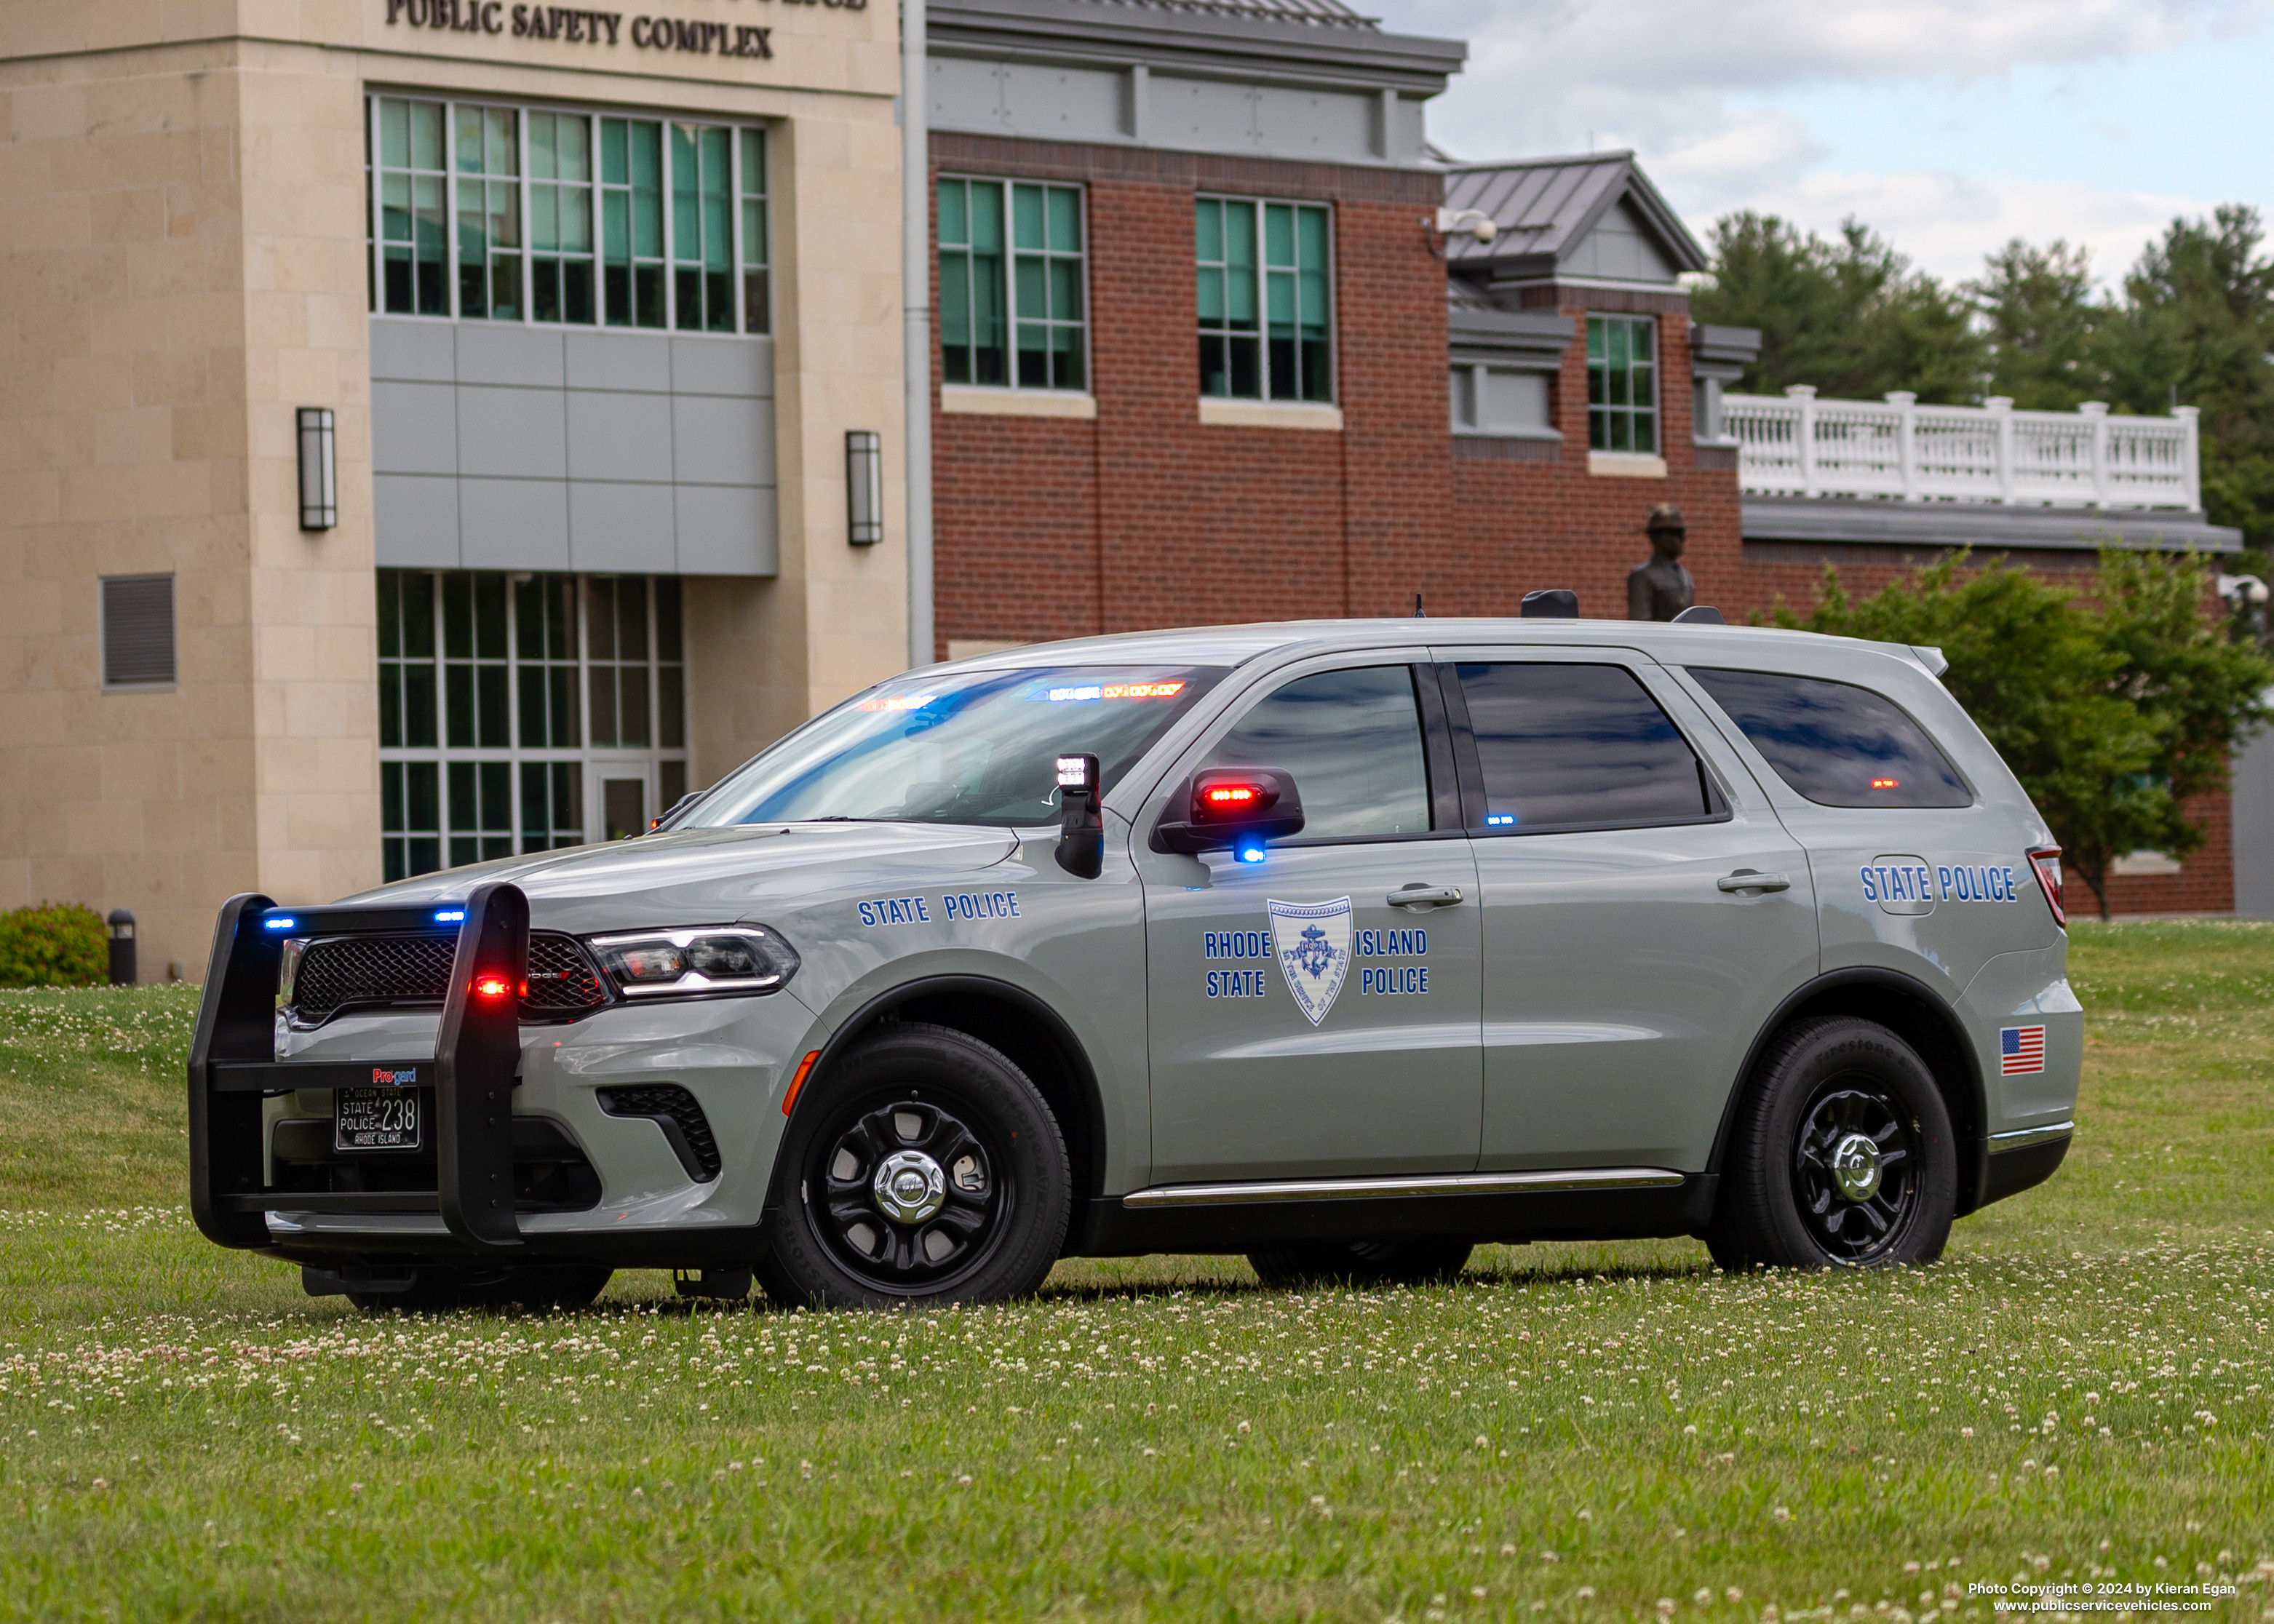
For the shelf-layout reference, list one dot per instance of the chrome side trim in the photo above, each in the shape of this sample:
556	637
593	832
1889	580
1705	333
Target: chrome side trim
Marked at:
1376	1189
2019	1138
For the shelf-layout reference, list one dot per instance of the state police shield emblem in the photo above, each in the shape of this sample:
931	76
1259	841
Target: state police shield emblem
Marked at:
1312	941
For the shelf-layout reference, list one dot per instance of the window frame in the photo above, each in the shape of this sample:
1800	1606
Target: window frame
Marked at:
1444	786
743	274
1470	761
1011	253
1263	270
1604	413
583	757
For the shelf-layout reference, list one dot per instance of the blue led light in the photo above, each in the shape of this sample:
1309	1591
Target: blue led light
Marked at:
1496	819
1248	848
449	916
285	924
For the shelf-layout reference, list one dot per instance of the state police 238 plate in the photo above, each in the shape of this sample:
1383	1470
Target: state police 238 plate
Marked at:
376	1119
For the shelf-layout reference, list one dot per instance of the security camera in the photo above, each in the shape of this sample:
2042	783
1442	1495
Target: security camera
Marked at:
2244	588
1475	222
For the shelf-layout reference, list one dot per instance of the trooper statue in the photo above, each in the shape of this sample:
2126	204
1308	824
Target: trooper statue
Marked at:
1661	589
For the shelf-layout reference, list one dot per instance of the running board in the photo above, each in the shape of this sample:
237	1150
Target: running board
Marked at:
1378	1188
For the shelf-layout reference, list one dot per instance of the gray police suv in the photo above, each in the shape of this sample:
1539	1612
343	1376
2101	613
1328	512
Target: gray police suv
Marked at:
1345	945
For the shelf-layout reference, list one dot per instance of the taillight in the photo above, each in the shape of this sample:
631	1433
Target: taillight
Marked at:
2045	862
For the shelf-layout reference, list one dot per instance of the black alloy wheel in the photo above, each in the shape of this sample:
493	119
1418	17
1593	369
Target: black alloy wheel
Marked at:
1841	1155
1853	1166
905	1197
923	1168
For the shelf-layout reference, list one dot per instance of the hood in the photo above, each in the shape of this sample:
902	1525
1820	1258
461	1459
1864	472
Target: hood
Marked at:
711	876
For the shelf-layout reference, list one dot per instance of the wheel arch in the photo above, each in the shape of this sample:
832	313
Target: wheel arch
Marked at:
1007	1018
1910	1009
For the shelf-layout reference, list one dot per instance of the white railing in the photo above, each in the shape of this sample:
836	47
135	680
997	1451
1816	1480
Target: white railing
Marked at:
1898	449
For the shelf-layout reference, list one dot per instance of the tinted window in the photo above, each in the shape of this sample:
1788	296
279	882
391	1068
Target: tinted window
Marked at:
1577	746
1837	744
1352	739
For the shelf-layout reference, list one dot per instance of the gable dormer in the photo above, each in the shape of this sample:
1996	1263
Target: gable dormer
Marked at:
1591	221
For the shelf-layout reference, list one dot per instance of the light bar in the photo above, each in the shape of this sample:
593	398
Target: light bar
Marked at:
450	916
285	924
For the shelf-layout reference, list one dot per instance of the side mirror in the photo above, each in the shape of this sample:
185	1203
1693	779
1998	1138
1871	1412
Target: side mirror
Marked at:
1240	807
1081	821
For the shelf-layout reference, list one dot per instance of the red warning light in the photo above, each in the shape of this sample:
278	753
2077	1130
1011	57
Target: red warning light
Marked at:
1886	784
1231	795
492	987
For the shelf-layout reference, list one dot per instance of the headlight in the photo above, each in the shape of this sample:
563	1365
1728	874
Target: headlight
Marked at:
706	959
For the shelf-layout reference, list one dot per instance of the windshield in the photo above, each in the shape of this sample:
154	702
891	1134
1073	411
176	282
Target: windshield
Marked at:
976	748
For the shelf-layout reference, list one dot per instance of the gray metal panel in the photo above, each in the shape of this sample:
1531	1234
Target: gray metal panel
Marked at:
519	433
1045	100
621	436
2254	829
513	523
415	521
728	530
620	527
414	427
1203	113
743	366
509	353
418	351
720	441
1619	249
1317	125
618	361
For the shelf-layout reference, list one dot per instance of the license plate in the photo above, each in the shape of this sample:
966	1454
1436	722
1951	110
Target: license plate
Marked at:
376	1119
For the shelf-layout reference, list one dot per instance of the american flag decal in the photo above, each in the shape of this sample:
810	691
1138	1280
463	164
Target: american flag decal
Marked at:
2021	1050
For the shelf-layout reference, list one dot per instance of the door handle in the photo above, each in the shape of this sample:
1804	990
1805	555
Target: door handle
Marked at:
1419	896
1750	879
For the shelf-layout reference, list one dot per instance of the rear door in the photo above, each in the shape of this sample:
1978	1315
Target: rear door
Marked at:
1304	1021
1645	911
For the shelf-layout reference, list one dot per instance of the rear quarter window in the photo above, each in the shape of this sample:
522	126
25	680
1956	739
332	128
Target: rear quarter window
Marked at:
1837	744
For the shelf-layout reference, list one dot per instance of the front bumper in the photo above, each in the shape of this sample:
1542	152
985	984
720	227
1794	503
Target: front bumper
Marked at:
581	1182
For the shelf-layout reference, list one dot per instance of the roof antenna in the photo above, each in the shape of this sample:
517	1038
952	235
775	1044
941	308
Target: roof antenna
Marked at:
1419	613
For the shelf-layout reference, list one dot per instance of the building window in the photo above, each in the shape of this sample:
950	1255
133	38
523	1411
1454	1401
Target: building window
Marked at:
560	218
1623	384
137	631
1011	275
510	706
1266	301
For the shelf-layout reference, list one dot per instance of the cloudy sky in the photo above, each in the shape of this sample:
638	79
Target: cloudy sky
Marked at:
1948	125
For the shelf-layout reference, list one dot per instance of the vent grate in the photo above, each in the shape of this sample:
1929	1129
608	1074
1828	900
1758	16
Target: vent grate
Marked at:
137	631
670	1108
414	967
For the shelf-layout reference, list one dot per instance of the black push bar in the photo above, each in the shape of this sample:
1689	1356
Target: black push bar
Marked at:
233	1065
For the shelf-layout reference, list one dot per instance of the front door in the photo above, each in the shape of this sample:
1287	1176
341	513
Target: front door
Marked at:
1645	911
1304	1021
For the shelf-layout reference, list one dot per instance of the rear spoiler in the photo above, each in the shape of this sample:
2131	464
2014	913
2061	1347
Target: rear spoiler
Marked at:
233	1065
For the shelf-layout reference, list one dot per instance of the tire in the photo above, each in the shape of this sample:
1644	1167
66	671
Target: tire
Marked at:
936	1118
1360	1263
537	1287
1841	1156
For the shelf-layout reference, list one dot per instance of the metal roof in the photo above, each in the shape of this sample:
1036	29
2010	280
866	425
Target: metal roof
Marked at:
1546	207
1318	13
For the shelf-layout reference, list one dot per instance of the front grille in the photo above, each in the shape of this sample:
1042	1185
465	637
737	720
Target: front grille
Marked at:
680	1116
415	969
562	980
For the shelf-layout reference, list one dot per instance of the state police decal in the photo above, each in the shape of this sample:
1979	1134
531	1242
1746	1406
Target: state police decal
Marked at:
1313	944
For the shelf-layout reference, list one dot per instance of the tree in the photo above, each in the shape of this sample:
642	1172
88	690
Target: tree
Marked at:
1851	317
2112	715
2042	326
2196	329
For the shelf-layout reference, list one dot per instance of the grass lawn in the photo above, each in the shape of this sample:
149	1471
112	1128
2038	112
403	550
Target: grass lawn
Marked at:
2079	1393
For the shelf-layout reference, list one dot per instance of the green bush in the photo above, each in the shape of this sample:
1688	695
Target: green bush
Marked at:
56	944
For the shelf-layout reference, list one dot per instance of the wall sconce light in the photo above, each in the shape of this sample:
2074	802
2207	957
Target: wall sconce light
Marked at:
319	482
864	487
